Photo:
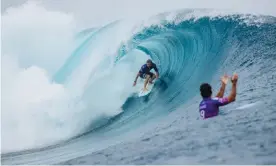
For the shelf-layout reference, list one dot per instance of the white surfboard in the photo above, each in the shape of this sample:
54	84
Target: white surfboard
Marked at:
144	93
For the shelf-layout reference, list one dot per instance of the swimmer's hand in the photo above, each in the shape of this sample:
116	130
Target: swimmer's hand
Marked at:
224	79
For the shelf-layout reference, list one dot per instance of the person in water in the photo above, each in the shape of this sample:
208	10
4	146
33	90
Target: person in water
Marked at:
145	73
209	107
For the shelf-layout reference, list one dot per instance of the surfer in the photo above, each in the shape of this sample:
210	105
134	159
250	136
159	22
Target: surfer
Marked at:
145	73
209	107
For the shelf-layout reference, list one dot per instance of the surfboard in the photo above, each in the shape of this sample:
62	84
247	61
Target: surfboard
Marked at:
144	93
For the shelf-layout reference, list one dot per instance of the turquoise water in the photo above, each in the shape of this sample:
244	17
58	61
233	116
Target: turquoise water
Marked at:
164	127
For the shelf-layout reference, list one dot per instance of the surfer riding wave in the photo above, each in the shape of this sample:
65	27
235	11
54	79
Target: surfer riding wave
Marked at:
145	73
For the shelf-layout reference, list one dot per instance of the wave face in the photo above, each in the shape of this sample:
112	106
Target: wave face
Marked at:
95	98
191	51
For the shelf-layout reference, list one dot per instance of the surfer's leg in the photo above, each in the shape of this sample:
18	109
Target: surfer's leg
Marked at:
146	81
153	76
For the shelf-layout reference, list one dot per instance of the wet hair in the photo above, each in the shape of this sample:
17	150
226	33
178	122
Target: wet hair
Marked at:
205	90
149	61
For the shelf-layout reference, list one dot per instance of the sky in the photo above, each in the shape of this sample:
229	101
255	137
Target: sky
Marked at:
99	12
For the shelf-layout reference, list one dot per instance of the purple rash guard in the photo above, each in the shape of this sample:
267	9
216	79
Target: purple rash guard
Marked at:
209	107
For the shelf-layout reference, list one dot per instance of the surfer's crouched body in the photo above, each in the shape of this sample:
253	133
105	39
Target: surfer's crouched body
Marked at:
145	73
209	107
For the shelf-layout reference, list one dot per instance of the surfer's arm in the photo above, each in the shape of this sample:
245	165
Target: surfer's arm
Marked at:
232	96
224	80
156	70
221	90
138	74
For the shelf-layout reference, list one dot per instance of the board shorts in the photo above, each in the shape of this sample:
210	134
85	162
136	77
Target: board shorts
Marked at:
144	75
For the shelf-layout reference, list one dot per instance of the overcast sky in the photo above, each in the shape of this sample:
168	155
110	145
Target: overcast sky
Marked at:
104	11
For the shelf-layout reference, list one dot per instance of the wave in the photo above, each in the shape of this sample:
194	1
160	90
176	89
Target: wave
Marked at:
92	88
191	51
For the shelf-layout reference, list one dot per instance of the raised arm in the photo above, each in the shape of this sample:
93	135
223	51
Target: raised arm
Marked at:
232	96
224	81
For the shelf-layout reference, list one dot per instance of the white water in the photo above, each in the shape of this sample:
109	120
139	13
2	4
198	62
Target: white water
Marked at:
36	42
34	46
38	112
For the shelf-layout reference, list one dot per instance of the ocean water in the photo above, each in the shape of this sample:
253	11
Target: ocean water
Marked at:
75	104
